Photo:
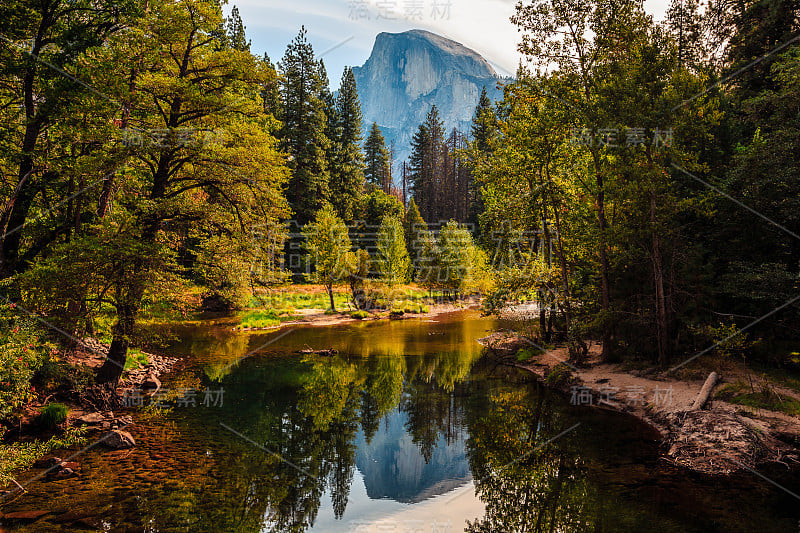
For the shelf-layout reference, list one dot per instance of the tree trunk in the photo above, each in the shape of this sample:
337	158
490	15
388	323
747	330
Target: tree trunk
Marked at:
662	320
605	287
112	369
330	295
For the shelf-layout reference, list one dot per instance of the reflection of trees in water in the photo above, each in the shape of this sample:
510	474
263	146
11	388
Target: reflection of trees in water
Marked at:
546	490
309	413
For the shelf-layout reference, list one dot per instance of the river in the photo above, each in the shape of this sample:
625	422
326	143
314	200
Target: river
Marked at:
408	429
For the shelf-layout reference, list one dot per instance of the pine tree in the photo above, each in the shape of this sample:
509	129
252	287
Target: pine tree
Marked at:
686	25
427	150
235	31
377	157
484	136
347	172
304	125
271	93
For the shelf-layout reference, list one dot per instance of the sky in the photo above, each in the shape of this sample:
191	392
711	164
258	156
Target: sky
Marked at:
343	31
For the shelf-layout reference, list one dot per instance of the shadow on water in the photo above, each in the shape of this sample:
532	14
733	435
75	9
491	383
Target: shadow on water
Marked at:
404	418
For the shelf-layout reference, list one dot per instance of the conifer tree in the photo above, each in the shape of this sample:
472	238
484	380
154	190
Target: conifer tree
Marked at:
377	158
347	170
235	31
304	126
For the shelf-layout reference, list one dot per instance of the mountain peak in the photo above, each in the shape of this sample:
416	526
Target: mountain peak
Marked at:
462	57
408	72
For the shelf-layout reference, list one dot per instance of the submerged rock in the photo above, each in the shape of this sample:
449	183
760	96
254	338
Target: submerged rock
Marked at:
119	440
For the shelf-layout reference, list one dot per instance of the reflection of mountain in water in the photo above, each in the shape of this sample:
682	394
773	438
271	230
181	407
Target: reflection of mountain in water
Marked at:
393	466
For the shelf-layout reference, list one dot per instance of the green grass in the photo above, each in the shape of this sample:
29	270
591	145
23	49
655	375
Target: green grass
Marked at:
53	415
526	354
21	455
764	397
259	319
359	315
136	359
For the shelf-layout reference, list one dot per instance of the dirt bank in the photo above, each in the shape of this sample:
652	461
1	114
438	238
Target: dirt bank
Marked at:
719	439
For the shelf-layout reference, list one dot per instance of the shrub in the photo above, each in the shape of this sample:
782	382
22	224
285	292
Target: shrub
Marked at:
21	455
559	375
359	315
21	354
53	415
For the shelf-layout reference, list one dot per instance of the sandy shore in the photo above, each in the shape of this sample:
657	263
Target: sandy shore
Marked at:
720	439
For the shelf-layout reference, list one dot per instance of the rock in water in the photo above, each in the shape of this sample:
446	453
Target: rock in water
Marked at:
408	72
119	440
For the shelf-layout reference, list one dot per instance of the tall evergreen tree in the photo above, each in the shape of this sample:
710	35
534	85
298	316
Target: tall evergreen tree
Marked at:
686	25
484	132
377	158
271	93
347	170
235	31
304	126
427	150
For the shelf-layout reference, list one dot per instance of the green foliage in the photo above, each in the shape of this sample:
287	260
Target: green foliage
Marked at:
558	375
392	258
52	415
259	319
21	455
22	353
328	242
347	174
360	315
304	126
377	171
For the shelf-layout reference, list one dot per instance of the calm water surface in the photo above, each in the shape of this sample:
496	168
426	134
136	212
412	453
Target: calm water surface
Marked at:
408	429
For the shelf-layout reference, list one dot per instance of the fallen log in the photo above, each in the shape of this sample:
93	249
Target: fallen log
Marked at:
327	353
705	392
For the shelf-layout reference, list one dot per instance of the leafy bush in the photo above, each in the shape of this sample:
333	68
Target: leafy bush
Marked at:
559	375
21	354
359	315
53	415
22	455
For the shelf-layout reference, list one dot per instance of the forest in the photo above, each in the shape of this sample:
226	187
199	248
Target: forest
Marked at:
639	181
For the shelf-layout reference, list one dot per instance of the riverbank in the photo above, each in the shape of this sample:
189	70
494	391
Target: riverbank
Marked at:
718	440
321	317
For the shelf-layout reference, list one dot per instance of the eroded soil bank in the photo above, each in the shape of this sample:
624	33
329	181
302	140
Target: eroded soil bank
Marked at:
720	439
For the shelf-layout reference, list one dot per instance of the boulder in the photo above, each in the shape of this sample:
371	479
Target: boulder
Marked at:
151	383
48	462
119	440
91	419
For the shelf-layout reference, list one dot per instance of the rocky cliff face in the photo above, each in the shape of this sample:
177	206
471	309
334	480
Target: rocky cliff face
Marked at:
409	72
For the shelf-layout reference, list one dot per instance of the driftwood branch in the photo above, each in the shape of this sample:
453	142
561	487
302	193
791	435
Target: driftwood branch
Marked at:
705	392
